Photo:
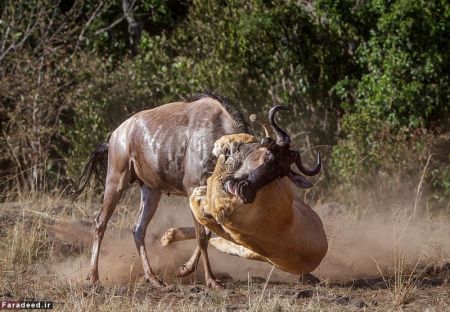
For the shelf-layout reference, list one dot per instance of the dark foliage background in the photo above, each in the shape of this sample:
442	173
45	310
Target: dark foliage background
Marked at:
367	81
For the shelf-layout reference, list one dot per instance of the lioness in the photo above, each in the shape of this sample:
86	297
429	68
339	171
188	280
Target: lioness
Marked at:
275	227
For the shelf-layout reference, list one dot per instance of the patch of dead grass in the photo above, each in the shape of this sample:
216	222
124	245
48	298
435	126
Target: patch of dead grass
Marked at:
31	250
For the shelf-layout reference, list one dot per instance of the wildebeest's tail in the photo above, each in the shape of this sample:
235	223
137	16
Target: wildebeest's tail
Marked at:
97	164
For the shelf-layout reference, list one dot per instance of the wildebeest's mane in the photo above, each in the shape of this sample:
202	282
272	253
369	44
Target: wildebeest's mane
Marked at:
238	118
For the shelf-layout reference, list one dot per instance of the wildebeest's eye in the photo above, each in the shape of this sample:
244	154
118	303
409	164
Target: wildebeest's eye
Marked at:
269	156
266	141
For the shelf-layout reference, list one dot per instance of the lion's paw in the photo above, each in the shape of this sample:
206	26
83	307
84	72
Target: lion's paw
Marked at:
229	143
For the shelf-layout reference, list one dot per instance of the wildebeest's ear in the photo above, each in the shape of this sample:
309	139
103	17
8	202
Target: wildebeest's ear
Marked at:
299	180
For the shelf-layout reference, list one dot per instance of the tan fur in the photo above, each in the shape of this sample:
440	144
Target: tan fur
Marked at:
177	234
234	249
283	231
228	143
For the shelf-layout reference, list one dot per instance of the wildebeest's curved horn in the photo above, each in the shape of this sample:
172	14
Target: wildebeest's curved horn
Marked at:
282	137
263	123
308	172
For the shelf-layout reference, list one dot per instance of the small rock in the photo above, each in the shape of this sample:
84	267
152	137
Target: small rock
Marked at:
309	279
342	300
6	295
258	280
224	277
359	303
302	294
170	288
195	290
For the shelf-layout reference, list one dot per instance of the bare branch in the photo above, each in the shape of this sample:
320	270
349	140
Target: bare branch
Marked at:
98	32
134	27
88	23
13	46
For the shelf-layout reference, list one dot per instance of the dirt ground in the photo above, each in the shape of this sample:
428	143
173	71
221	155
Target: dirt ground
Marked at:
376	262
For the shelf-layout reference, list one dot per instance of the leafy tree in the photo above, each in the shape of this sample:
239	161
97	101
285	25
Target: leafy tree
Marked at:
404	87
368	78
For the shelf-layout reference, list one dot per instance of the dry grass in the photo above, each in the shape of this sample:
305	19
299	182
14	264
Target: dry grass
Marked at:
32	253
404	284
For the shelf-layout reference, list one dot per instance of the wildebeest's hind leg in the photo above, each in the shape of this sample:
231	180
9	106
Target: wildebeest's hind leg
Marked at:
116	181
149	202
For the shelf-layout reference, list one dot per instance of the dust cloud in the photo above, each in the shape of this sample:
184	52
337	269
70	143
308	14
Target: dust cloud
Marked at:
119	262
359	246
381	243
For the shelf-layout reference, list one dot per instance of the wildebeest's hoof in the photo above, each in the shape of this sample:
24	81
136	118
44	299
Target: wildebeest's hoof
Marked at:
156	281
93	278
214	283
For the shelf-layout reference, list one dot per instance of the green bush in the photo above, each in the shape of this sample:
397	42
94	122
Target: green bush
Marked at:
405	87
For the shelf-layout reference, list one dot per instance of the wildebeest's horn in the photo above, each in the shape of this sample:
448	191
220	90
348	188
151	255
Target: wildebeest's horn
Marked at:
308	172
263	123
282	137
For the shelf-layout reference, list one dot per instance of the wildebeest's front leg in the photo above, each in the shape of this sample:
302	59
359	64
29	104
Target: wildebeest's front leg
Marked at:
149	202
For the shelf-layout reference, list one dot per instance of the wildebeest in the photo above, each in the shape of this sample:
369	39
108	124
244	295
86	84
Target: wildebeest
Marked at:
168	149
